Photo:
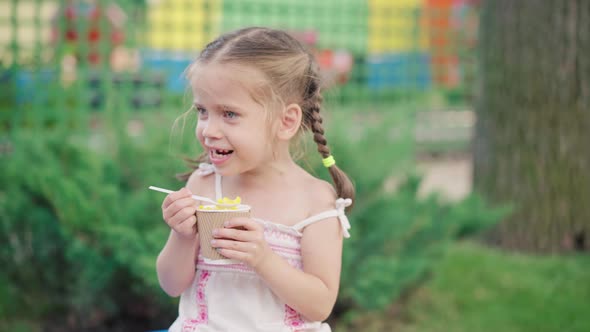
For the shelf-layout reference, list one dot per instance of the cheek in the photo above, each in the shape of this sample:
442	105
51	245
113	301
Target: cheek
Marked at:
199	133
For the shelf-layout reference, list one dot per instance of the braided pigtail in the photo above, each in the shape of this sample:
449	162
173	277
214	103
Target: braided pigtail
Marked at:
343	184
293	74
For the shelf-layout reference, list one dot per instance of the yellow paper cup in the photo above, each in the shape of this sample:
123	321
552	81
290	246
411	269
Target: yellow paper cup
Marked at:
209	217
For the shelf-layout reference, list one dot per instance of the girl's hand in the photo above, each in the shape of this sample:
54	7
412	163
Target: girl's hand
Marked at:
246	244
178	210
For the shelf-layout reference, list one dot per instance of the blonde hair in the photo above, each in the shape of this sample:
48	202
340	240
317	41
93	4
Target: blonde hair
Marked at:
292	75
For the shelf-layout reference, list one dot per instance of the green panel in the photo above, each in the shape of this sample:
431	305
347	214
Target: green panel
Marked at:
339	24
56	70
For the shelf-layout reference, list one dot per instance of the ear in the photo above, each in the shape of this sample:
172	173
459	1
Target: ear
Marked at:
290	121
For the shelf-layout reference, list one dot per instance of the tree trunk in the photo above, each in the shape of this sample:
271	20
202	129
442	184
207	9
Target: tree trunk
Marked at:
532	136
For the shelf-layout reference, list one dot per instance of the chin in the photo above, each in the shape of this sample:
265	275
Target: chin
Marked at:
226	171
233	170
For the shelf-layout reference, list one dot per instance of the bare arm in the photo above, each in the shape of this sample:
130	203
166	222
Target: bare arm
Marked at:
176	262
313	291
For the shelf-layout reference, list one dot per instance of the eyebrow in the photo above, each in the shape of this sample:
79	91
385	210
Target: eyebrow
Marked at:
219	106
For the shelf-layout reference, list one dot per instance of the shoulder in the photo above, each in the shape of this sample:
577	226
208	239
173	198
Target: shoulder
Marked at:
322	195
201	183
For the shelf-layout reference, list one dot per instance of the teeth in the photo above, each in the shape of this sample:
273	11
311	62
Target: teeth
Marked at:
220	152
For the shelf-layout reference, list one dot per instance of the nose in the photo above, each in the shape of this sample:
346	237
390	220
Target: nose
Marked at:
211	129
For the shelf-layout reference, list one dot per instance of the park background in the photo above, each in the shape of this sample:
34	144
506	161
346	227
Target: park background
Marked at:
463	123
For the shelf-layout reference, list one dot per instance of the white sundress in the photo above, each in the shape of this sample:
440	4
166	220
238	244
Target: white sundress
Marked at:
228	295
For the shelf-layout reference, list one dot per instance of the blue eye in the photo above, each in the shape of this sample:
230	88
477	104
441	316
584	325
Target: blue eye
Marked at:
230	114
201	111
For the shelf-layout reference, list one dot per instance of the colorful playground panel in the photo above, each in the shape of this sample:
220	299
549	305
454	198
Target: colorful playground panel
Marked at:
175	18
182	25
397	45
409	71
397	40
339	24
390	44
396	27
171	64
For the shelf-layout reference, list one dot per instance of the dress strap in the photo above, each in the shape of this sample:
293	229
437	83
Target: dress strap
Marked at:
207	169
218	193
341	204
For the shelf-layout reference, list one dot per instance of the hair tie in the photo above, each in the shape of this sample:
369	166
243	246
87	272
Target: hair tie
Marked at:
329	161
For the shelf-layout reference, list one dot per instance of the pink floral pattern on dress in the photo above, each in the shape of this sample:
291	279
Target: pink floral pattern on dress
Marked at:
293	319
191	324
272	233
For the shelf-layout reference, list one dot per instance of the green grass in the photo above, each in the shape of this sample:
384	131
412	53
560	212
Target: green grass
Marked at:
480	289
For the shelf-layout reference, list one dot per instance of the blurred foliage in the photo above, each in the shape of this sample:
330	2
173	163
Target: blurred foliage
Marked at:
397	236
486	289
82	233
79	227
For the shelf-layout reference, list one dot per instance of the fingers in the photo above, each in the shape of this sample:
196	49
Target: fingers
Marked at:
179	210
234	234
247	252
247	247
247	244
241	229
173	197
188	226
245	223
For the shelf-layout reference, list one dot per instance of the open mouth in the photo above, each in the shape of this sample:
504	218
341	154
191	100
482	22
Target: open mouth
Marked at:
220	154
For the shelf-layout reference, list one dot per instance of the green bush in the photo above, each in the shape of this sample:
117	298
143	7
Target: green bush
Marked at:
81	232
396	236
79	227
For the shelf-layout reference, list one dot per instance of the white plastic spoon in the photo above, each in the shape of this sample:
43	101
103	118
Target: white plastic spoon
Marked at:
196	197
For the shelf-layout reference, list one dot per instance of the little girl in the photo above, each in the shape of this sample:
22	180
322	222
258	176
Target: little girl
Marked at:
256	90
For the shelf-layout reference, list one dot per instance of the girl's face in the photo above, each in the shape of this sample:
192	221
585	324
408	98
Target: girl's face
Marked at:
232	126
